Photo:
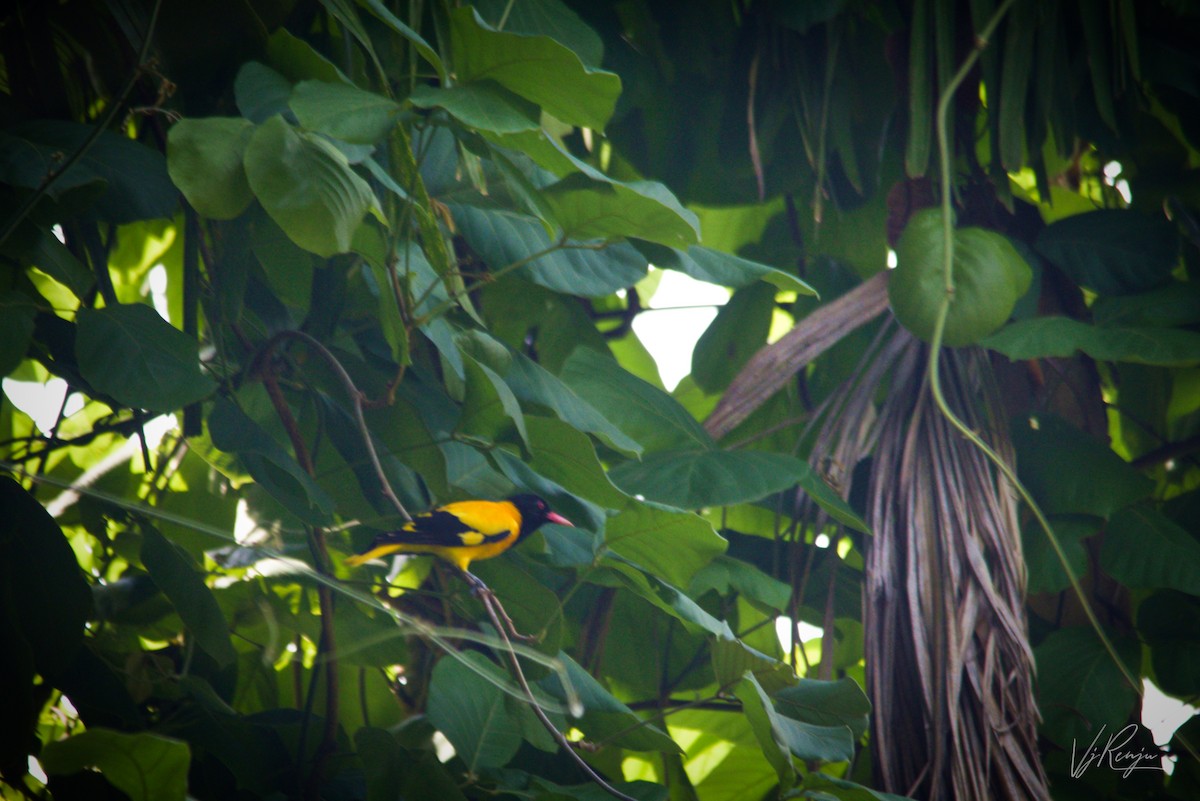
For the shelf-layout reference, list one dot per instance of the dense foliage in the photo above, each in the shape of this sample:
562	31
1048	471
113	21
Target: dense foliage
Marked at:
373	257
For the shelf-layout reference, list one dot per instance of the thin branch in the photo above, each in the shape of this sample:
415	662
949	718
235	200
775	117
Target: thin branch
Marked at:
356	396
490	603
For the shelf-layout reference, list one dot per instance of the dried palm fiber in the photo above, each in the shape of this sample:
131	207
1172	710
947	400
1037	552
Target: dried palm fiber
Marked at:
949	668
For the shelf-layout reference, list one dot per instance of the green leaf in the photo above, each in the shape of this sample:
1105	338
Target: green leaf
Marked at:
144	766
605	718
1060	337
732	658
261	92
738	331
618	572
17	312
546	18
532	383
383	762
644	412
989	277
138	358
483	105
1080	689
503	237
725	575
535	67
1144	549
639	531
298	61
45	592
1069	472
276	472
175	574
826	703
1045	573
768	728
490	411
1170	623
344	112
204	159
471	712
1110	251
307	187
717	267
698	479
588	209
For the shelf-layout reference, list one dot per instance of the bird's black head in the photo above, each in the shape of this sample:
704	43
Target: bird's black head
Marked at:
534	512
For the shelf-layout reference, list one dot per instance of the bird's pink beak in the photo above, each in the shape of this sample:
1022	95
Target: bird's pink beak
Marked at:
554	517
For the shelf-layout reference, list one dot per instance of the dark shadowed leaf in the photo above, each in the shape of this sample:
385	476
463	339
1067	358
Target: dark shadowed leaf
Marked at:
131	353
1081	692
1144	549
176	575
1110	251
1061	336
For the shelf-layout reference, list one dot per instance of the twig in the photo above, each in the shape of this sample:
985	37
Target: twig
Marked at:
490	602
356	396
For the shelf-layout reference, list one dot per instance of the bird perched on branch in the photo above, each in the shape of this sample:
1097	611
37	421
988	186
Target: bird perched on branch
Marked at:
464	531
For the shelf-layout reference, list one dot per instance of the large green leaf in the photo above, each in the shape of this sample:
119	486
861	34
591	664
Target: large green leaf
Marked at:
342	111
144	766
491	411
175	574
307	187
588	209
1080	689
503	237
1069	472
1061	337
605	718
532	383
483	105
641	533
698	479
137	357
717	267
535	67
644	412
768	728
1144	549
826	703
261	92
1110	251
471	712
36	246
551	18
989	277
739	330
618	572
204	158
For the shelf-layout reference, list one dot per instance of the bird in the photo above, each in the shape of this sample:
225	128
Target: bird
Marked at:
464	531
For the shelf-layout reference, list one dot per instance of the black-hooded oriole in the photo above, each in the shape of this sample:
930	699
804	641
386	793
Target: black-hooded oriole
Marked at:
464	531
